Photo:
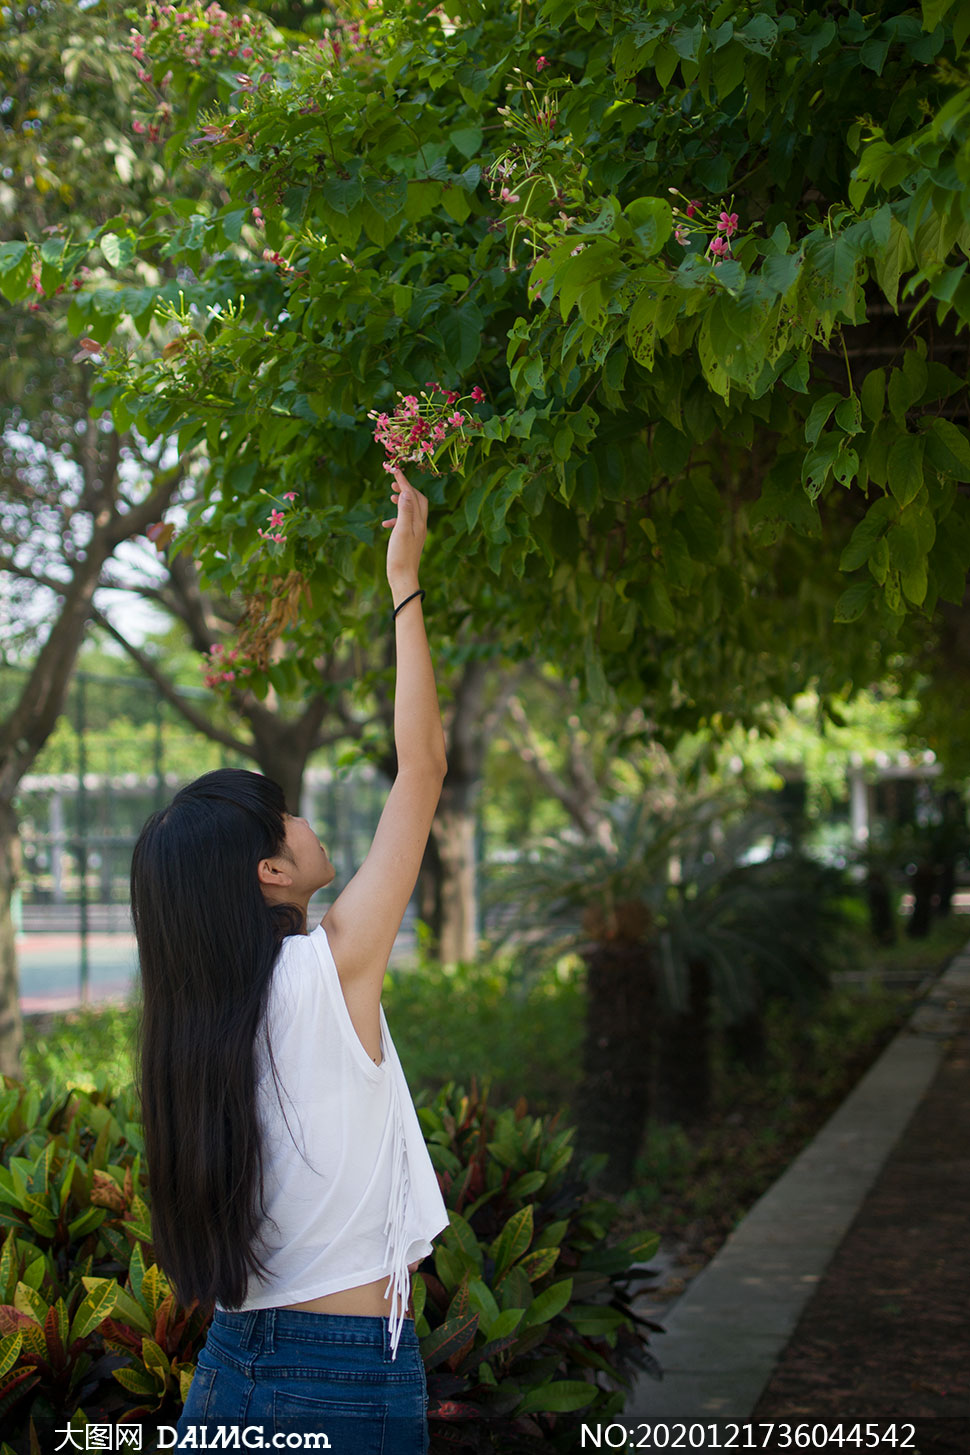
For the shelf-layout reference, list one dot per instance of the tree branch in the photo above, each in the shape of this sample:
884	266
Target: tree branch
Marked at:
170	693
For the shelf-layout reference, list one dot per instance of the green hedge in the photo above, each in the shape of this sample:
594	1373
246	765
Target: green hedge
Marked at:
522	1310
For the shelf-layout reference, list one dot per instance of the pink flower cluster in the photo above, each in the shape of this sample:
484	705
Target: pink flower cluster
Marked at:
193	34
197	33
343	34
38	287
417	426
222	666
724	227
276	520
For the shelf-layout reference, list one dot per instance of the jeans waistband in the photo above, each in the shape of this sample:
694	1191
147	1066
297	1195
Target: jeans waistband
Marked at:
263	1330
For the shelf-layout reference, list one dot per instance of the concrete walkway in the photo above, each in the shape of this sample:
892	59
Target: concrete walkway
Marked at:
726	1332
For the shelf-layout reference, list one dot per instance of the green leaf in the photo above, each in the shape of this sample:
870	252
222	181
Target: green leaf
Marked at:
455	201
94	1308
852	603
461	1233
447	1339
659	610
342	194
118	250
12	255
893	259
848	415
481	1298
513	1240
652	220
28	1301
867	533
462	330
559	1397
595	1320
467	140
907	385
948	448
504	1324
10	1346
599	259
537	1263
873	394
905	467
138	1381
527	1184
818	415
547	1304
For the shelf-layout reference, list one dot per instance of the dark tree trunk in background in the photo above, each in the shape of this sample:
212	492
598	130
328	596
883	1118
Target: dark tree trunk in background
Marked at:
615	1093
455	834
683	1054
11	1024
946	885
879	898
924	885
746	1041
448	883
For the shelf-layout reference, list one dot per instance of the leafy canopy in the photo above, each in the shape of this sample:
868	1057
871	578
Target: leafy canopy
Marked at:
706	261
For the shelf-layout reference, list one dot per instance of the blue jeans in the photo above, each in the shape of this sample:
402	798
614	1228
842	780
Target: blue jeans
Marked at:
327	1374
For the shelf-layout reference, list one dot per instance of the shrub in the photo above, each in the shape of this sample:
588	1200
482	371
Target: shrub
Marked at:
522	1310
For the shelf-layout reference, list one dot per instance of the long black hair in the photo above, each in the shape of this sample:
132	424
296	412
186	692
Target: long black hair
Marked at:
207	942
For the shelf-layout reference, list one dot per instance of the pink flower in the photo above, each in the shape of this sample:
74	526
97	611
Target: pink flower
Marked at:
276	519
452	396
456	419
506	196
290	495
691	208
681	235
138	126
541	64
720	246
728	223
478	393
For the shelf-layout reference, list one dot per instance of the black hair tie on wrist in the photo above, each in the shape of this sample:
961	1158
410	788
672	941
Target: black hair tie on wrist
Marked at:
405	602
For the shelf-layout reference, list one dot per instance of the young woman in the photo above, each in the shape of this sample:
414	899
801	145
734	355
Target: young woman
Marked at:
290	1182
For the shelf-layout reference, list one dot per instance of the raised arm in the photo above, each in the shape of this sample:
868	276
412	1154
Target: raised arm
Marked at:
366	916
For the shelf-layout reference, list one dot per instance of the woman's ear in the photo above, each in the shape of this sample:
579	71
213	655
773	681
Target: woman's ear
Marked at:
272	875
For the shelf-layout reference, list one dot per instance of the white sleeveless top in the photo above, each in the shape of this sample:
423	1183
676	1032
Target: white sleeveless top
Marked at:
349	1190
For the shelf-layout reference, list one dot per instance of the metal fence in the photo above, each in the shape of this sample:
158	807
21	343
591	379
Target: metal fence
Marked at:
118	753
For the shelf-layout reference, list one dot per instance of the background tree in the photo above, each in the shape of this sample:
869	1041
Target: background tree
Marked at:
73	490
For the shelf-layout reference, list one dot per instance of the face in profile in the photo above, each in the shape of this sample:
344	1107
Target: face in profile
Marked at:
311	866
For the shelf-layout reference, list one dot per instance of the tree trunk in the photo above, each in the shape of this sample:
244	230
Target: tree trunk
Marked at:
455	831
882	920
27	728
746	1041
683	1092
614	1097
924	885
429	891
448	888
947	887
11	1023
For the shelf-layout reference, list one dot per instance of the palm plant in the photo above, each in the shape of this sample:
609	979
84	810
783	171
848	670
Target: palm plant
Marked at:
665	950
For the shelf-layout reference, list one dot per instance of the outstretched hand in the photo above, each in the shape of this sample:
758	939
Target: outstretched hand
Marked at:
408	531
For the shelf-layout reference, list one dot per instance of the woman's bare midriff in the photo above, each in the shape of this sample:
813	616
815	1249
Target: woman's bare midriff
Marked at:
366	1299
